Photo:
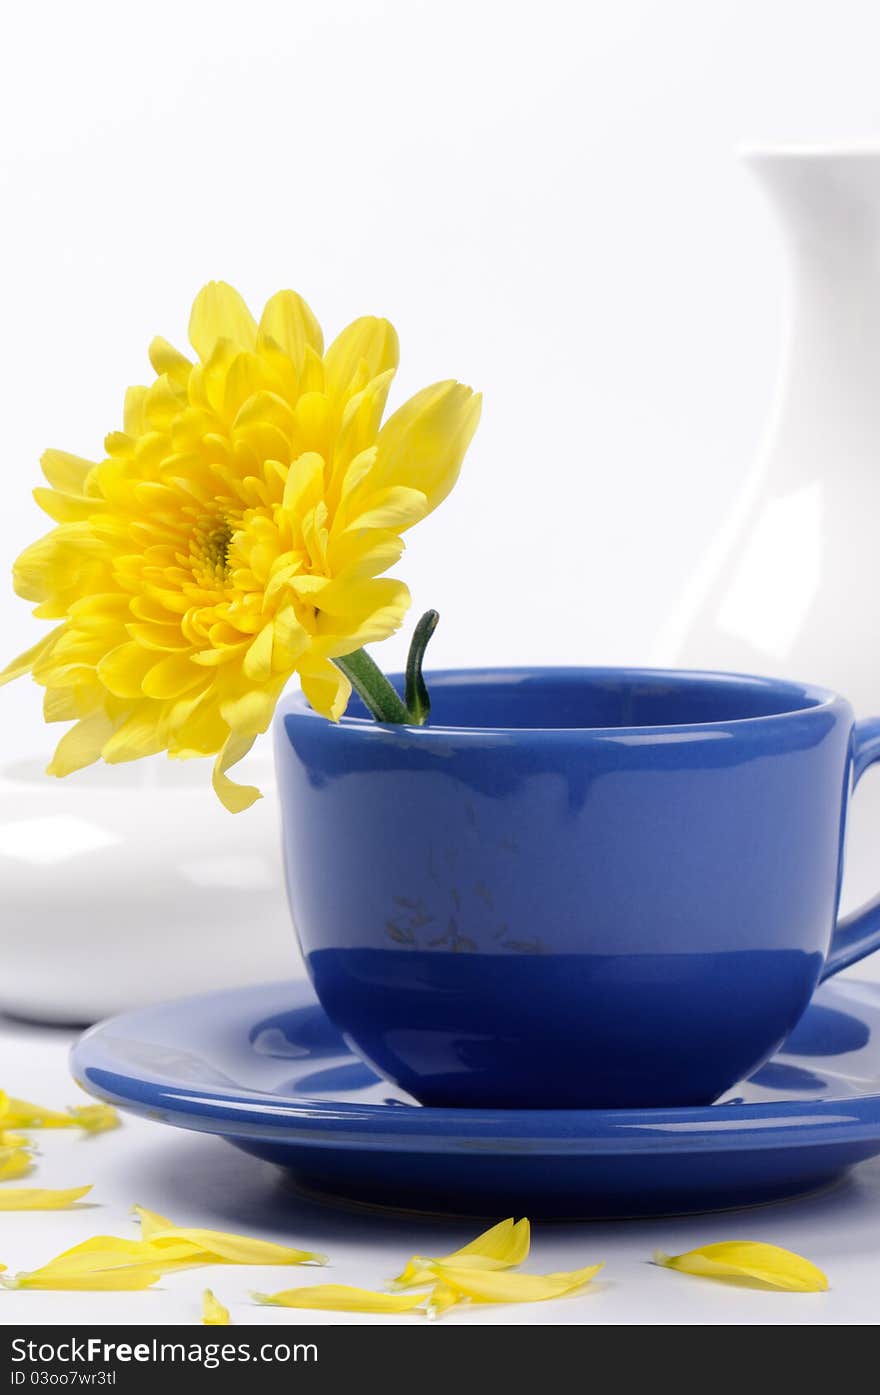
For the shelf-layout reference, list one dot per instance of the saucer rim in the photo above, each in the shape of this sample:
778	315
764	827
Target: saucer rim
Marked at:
299	1119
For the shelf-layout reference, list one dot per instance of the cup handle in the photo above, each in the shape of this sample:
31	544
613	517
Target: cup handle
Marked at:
858	933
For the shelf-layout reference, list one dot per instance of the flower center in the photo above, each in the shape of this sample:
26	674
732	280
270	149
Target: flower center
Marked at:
209	550
217	547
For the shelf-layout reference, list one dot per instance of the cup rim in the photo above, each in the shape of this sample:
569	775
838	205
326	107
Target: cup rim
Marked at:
807	701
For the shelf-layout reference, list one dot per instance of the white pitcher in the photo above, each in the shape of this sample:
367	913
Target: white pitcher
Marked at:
791	586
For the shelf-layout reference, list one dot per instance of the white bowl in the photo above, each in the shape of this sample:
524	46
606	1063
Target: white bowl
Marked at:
124	885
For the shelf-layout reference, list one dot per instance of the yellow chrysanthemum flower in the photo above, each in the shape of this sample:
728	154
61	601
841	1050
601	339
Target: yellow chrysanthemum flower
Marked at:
237	532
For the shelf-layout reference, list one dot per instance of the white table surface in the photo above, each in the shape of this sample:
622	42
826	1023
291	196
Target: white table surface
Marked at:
199	1180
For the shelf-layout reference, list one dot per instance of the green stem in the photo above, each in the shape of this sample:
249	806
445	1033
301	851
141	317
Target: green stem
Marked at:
373	688
417	699
378	695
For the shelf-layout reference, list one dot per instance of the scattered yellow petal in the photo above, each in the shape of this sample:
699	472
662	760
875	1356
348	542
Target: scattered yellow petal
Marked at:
151	1222
20	1114
121	1280
14	1162
107	1262
95	1118
442	1296
220	1246
503	1246
239	1249
110	1252
39	1199
341	1298
13	1140
451	1285
213	1312
486	1286
767	1265
507	1242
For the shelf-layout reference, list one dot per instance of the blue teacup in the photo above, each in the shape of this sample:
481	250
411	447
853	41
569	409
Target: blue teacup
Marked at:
576	887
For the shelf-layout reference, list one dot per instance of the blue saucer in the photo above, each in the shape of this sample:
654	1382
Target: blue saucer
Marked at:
263	1068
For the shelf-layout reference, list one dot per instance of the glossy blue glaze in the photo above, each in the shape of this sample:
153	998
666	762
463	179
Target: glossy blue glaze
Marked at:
264	1068
575	887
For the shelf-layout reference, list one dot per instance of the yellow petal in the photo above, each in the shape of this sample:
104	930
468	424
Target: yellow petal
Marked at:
14	1162
356	555
341	635
95	1118
247	374
39	1199
213	1312
250	712
67	704
357	433
220	1245
507	1242
168	361
165	638
423	444
25	662
326	688
133	420
108	1262
233	797
501	1247
151	1222
139	735
79	747
102	1252
396	508
367	343
66	508
485	1286
172	677
21	1114
304	484
257	665
239	1249
362	598
64	471
123	669
341	1298
442	1296
220	313
102	1280
288	320
766	1265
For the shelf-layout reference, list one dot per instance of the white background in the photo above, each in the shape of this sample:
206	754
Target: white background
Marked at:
545	200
